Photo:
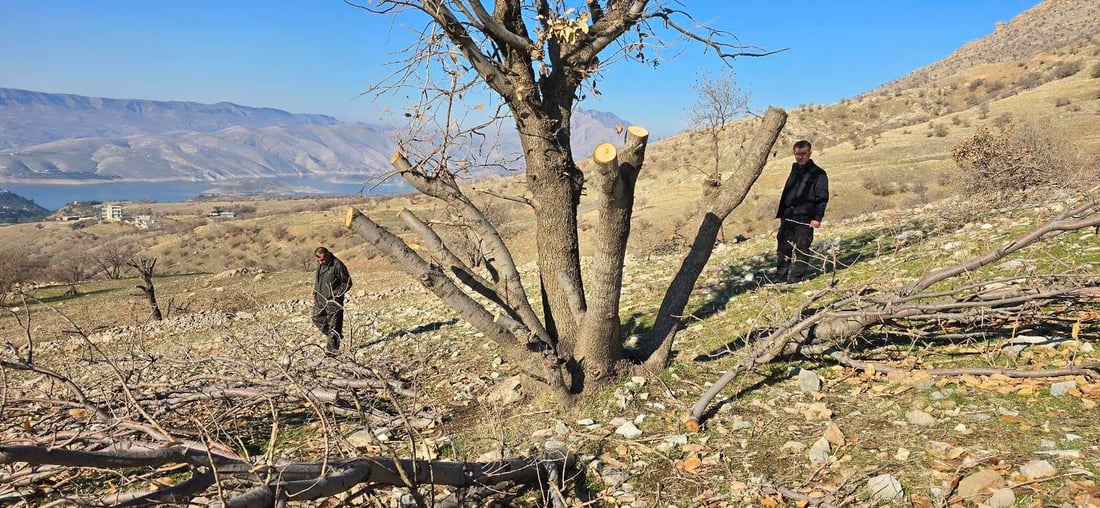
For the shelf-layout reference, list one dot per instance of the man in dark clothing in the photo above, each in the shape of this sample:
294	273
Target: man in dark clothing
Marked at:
801	209
330	284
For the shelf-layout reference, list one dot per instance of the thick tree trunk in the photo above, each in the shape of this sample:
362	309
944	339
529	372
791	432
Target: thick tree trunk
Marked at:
555	183
599	344
732	194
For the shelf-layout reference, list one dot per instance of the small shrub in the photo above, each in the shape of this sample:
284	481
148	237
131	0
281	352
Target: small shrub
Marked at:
1022	156
1095	73
1066	69
1061	101
940	130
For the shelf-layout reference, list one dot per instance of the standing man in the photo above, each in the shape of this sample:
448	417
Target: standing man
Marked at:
330	284
801	209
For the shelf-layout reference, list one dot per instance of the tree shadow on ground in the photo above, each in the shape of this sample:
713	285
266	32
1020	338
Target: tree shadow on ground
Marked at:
774	377
66	296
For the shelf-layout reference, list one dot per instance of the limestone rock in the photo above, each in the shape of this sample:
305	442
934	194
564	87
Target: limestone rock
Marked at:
1003	498
920	418
1037	469
974	484
885	487
809	381
628	430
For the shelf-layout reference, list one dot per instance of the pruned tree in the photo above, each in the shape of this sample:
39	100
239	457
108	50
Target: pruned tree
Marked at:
17	266
538	58
145	267
718	101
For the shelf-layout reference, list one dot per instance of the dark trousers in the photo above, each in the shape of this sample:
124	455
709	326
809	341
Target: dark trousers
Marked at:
329	318
794	239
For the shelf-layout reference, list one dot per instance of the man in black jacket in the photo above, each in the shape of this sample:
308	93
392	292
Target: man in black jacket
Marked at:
330	284
801	209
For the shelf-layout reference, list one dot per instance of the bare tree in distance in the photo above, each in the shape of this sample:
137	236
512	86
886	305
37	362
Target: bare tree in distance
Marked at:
112	258
145	266
72	269
718	101
538	59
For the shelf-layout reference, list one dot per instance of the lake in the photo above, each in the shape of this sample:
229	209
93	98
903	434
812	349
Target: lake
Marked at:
54	196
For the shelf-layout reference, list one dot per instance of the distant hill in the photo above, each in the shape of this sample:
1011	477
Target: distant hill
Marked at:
178	140
31	118
16	208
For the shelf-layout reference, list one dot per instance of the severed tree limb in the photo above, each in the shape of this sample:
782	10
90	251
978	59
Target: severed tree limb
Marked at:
296	480
837	322
1090	370
660	337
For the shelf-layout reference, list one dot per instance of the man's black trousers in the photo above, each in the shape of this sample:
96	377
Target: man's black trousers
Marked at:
794	239
329	318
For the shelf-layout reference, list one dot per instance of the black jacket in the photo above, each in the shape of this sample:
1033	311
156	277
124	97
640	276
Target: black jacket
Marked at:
331	281
805	195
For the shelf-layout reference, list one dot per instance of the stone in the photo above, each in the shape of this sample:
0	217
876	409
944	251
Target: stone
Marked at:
834	435
362	438
1003	498
974	484
553	444
628	430
586	422
809	381
561	429
819	452
919	418
885	487
506	392
1071	454
1047	444
1059	389
678	439
794	446
1037	469
737	425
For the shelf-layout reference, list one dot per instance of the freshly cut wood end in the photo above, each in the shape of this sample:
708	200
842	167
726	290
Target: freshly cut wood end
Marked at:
691	425
604	153
349	217
638	130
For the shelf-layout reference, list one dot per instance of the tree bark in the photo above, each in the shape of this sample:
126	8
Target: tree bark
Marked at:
733	192
599	344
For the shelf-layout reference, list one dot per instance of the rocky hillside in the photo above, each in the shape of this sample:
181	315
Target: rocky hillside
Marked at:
16	208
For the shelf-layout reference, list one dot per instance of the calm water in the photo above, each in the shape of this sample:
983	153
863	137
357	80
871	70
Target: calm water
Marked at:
53	196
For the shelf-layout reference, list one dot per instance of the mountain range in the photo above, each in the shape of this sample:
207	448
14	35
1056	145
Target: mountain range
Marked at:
64	137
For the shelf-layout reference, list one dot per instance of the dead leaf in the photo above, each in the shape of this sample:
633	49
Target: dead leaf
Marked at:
769	501
691	464
1011	419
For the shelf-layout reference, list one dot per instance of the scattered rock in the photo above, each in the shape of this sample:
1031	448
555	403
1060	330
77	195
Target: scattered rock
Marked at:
507	392
737	425
678	439
1003	498
794	446
554	444
809	381
920	418
628	430
974	484
885	487
819	452
902	454
1037	469
1071	454
815	412
834	435
586	422
561	429
1059	389
1048	444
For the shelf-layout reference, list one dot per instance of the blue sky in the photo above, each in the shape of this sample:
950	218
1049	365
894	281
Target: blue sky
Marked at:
315	56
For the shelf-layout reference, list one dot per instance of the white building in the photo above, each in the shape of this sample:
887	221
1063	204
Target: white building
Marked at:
112	212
